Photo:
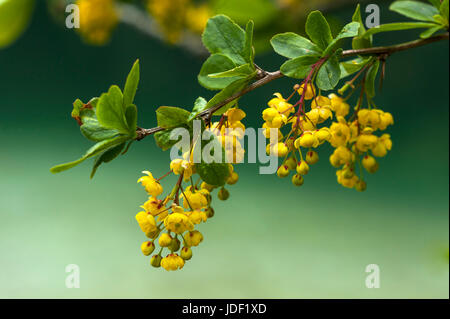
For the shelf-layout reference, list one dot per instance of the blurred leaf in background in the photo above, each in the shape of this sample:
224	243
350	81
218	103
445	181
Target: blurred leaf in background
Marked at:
15	16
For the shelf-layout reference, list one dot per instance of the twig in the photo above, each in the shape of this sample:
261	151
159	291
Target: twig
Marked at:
270	76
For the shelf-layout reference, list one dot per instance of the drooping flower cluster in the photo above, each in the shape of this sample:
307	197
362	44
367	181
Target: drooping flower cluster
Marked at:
98	18
170	222
353	140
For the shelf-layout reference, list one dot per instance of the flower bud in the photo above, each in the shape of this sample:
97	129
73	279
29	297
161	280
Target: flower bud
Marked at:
360	186
193	238
312	157
370	164
283	171
186	253
155	261
297	180
165	240
233	178
291	163
147	247
302	168
206	186
223	194
174	245
209	212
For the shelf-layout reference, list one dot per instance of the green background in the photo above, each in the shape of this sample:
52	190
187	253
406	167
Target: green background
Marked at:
270	240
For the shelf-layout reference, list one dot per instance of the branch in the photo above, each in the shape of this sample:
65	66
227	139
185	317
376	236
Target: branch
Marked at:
270	76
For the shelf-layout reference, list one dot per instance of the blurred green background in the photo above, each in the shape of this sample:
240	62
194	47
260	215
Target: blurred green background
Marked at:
270	240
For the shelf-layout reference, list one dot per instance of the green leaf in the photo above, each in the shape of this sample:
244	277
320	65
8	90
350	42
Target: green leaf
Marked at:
428	33
359	42
371	77
91	128
131	117
329	73
318	29
249	53
110	111
216	63
107	157
414	9
199	106
298	68
436	3
162	138
352	66
170	116
239	71
397	27
291	45
131	85
227	92
222	35
215	174
77	107
93	151
443	9
348	31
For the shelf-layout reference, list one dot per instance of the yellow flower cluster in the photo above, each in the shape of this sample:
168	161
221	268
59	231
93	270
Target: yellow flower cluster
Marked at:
353	140
176	15
171	221
97	20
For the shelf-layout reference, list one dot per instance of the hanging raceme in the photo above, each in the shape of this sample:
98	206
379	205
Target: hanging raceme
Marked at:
315	112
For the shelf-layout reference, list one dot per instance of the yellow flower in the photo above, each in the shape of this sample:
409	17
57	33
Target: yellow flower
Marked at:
310	91
366	140
172	262
193	238
178	223
340	133
234	115
197	216
155	207
383	145
341	156
338	105
370	164
152	186
320	101
307	140
281	105
146	221
233	178
283	171
279	149
323	134
181	166
97	20
193	200
386	119
346	182
369	118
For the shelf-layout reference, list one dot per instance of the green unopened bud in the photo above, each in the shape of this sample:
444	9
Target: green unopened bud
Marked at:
361	186
283	171
186	253
297	180
223	194
155	261
147	247
174	245
209	212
